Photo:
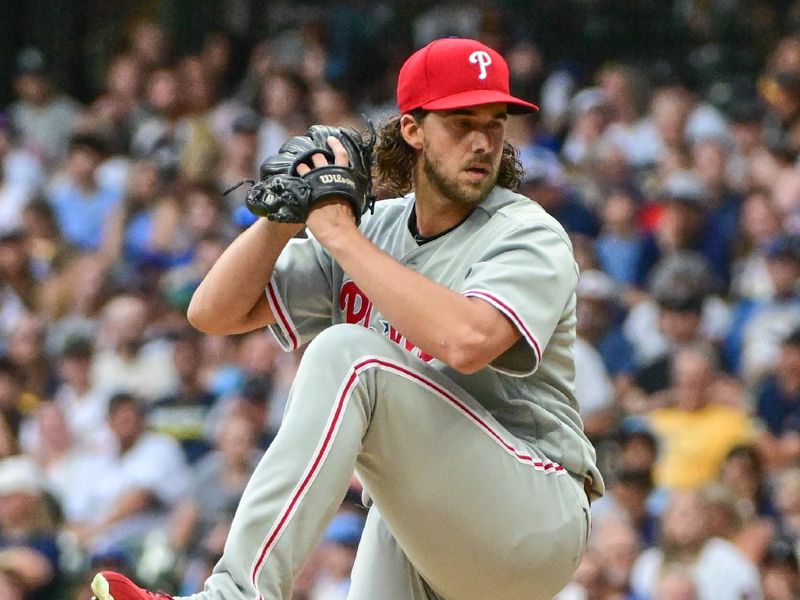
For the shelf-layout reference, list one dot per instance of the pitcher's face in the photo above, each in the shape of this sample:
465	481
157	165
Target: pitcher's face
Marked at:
461	151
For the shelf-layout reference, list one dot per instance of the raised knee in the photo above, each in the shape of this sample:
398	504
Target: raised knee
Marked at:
350	341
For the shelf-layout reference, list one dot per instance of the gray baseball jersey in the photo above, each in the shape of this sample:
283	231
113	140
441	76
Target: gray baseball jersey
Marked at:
510	253
477	480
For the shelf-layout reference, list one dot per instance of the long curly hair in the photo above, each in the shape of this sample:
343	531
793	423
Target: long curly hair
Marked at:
395	159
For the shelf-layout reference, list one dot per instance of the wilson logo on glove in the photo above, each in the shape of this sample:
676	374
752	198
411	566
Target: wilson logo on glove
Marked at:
336	178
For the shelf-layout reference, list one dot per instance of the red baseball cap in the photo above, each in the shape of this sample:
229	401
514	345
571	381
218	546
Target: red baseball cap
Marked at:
455	73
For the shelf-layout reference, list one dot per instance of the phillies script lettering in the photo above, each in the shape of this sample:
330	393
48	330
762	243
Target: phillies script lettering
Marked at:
357	310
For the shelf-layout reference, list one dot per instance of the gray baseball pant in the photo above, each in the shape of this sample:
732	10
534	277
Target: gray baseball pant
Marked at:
463	510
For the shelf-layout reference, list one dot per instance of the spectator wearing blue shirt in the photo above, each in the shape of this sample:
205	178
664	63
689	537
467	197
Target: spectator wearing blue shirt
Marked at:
759	326
778	405
81	205
688	224
619	246
600	322
710	159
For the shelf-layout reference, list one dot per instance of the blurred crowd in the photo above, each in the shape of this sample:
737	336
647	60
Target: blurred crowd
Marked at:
126	437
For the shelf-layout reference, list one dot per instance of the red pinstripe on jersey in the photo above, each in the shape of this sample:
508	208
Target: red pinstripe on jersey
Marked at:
282	316
505	308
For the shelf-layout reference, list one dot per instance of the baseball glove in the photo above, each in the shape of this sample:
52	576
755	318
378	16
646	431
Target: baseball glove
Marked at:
283	195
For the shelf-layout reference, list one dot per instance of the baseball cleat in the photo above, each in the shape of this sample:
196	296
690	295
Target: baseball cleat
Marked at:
113	586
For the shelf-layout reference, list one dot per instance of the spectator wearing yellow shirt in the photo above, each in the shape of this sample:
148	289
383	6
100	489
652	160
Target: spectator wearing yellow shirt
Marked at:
704	418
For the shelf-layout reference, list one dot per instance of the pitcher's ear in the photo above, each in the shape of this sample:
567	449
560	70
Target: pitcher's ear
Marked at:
411	130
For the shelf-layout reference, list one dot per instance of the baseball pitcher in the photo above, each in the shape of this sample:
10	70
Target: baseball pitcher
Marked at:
439	365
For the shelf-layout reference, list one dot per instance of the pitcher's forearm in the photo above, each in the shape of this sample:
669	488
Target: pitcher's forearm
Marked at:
230	299
465	333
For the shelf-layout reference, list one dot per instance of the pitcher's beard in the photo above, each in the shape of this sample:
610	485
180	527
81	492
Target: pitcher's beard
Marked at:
461	193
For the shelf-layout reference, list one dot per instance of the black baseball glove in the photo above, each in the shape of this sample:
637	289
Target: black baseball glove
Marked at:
283	195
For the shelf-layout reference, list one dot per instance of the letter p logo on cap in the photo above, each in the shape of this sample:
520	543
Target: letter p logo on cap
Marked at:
482	59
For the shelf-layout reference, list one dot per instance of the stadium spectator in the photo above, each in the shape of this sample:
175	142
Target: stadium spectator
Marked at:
28	548
680	309
589	581
686	225
184	413
777	404
638	447
46	248
133	485
728	521
330	103
180	282
199	522
600	322
26	348
162	102
239	157
593	385
143	230
125	359
760	225
697	425
61	456
617	546
759	326
204	215
13	199
83	207
119	108
620	242
630	129
718	568
787	502
19	290
283	107
20	168
743	472
590	117
83	404
780	574
73	297
14	405
43	117
547	185
628	501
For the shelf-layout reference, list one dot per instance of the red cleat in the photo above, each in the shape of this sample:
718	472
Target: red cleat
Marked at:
113	586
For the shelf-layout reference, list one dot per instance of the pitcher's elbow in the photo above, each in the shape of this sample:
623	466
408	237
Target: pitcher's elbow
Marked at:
198	316
468	356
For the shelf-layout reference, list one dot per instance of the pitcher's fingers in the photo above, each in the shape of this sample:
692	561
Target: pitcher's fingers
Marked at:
303	169
319	160
339	152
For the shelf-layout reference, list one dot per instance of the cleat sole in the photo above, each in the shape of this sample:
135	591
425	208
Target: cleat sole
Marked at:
100	588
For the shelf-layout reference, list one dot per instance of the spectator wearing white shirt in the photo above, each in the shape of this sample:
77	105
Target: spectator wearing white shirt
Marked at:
62	461
84	404
719	569
125	360
78	405
19	166
593	386
129	490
